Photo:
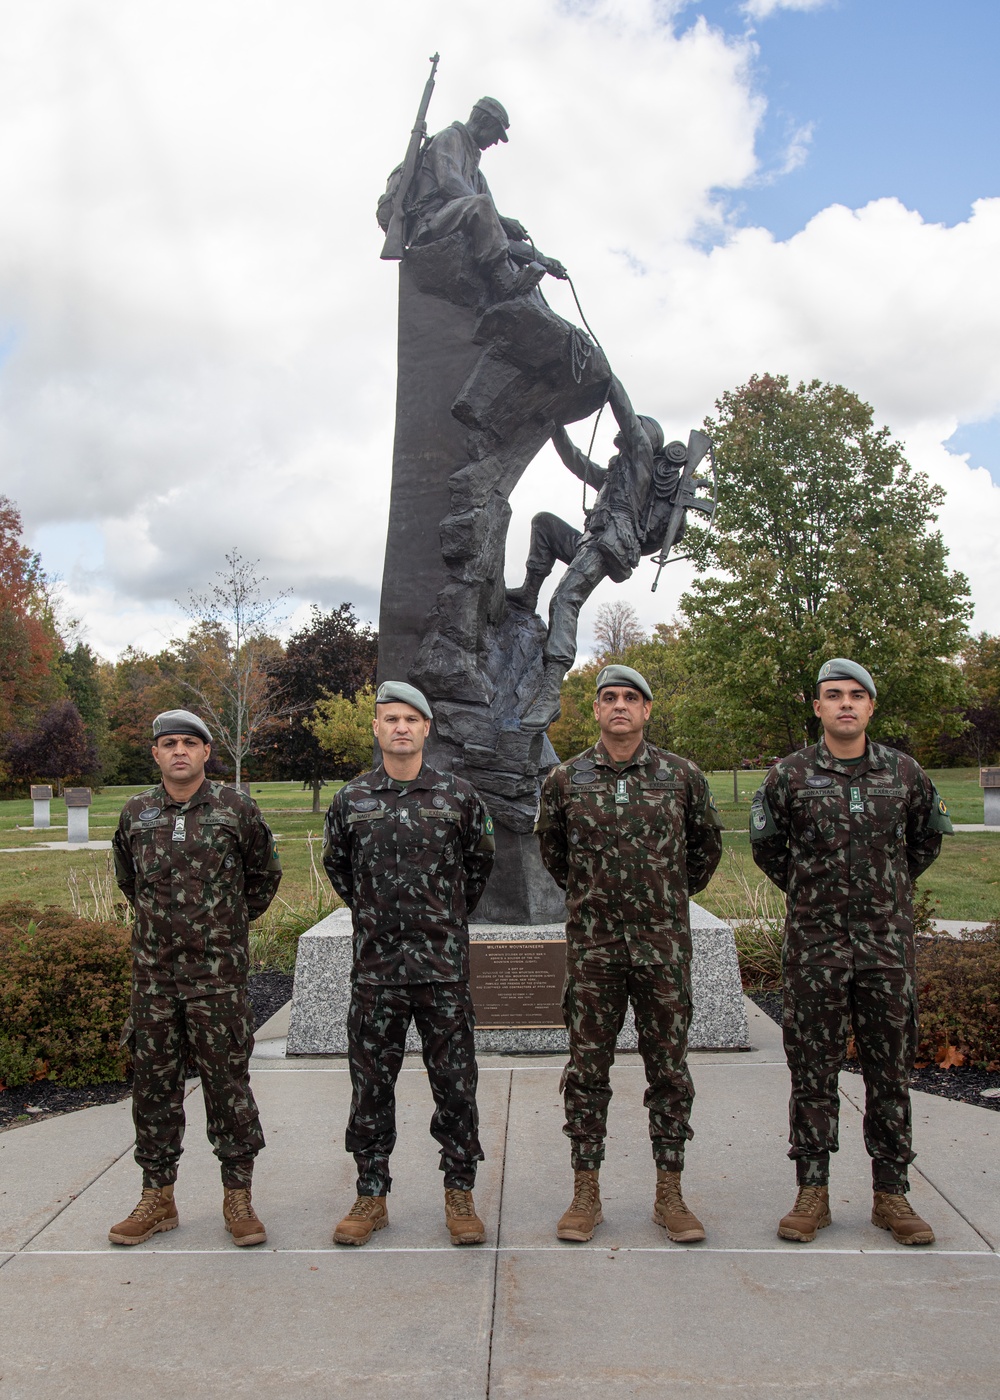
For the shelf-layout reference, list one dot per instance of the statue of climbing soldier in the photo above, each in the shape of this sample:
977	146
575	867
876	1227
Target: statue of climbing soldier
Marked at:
449	194
643	496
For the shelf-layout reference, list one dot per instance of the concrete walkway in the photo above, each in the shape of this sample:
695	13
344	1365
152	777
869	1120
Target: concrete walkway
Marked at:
523	1316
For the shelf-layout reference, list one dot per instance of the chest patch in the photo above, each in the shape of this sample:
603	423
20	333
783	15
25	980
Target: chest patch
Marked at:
819	780
149	814
366	804
439	801
582	779
584	765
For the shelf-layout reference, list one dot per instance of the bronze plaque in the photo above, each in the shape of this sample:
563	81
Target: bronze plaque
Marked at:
518	983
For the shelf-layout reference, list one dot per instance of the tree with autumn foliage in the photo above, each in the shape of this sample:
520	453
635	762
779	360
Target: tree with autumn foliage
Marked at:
56	746
30	646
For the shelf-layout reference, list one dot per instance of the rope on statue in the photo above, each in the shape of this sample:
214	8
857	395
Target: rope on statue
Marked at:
580	350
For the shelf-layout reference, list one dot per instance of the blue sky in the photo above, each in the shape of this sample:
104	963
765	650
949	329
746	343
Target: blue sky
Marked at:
897	97
901	96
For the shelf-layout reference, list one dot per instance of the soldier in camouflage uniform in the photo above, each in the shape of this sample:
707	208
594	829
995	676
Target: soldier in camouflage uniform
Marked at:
629	831
197	862
409	850
844	827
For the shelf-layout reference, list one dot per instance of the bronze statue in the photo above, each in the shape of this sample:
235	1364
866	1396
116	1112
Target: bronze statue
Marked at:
637	494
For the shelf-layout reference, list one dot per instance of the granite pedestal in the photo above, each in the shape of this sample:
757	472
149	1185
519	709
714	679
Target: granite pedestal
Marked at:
322	990
78	802
41	797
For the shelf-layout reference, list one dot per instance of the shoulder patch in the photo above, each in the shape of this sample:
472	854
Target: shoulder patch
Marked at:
939	818
762	823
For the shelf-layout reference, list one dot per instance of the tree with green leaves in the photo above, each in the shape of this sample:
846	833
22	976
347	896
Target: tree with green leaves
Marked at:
334	654
822	546
343	729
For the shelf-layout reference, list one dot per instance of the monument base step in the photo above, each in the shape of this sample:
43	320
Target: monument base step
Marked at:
322	991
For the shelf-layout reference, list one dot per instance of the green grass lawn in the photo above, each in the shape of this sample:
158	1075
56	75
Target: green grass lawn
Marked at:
959	787
965	880
44	878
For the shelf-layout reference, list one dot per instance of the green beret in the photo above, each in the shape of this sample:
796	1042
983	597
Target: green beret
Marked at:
839	669
181	722
405	694
623	675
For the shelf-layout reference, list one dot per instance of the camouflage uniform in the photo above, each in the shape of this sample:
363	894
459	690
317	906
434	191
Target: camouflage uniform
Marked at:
195	873
628	843
411	860
845	841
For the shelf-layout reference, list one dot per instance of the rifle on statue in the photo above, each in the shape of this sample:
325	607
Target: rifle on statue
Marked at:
687	498
394	244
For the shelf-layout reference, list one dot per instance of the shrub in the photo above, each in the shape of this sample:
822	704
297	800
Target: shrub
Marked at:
958	989
17	1065
274	938
64	994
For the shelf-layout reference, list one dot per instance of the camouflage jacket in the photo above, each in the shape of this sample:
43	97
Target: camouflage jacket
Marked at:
845	842
411	865
629	844
195	873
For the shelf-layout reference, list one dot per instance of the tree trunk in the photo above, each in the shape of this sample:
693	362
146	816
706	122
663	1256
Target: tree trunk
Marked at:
317	783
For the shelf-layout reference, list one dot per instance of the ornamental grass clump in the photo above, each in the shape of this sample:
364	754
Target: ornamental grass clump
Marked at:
64	996
958	991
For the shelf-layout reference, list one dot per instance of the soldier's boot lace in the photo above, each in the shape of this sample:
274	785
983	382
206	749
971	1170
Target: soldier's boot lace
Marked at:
367	1215
156	1211
464	1225
892	1211
669	1210
579	1222
809	1214
242	1221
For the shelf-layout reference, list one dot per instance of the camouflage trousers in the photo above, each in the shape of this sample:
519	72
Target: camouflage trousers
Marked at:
377	1022
595	1001
821	1007
210	1036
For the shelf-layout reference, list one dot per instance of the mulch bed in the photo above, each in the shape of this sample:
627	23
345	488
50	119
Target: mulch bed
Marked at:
964	1085
267	993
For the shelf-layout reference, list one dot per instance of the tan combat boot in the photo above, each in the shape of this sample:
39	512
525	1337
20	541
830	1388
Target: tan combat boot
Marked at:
810	1213
367	1215
669	1210
892	1212
464	1225
156	1211
241	1219
584	1214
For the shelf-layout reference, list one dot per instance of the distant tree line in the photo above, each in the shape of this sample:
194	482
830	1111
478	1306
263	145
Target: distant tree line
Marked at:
69	716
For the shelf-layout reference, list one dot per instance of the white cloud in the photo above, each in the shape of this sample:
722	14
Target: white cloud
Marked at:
763	9
202	336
